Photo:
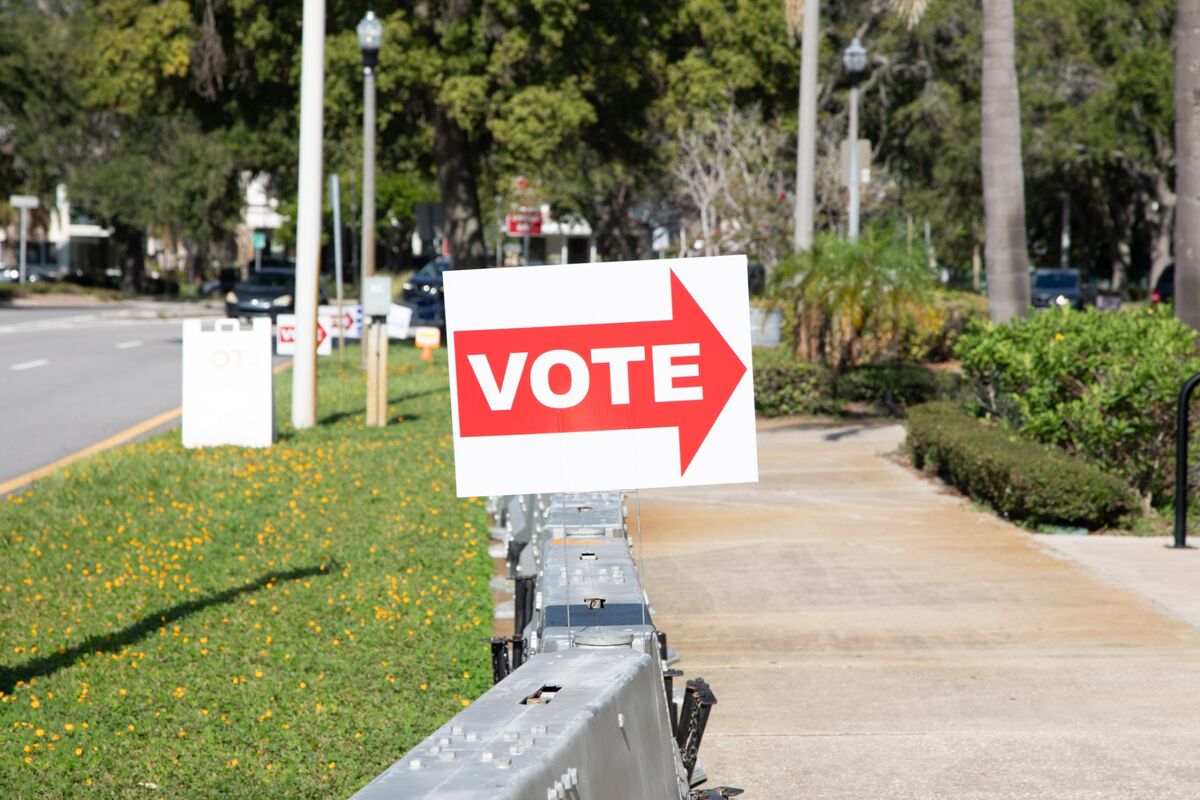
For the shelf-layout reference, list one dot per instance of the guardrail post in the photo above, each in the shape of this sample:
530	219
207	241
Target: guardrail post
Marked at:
1181	460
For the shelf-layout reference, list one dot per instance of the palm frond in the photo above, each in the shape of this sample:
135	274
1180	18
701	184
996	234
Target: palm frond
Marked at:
793	10
910	10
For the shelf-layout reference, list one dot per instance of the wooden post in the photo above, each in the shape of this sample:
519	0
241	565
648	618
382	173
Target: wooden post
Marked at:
381	381
372	374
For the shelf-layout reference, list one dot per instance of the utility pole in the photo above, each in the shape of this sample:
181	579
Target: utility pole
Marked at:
308	214
806	140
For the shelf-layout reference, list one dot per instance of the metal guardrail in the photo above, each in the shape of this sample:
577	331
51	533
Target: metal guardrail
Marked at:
585	703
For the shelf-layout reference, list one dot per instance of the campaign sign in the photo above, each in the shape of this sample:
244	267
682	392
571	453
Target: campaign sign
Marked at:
285	335
599	376
227	384
350	321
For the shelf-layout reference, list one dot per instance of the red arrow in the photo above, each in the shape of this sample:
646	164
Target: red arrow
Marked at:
321	334
497	377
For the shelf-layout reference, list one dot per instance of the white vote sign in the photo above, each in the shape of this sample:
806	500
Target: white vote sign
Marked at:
601	376
228	392
285	335
351	319
398	320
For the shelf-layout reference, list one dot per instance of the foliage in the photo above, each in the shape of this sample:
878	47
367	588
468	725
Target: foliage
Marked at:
786	387
1101	385
730	170
896	387
1022	480
930	328
841	295
237	622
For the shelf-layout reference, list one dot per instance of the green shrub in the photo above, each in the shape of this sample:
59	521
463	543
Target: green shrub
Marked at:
845	302
930	328
897	386
1098	384
1022	480
784	386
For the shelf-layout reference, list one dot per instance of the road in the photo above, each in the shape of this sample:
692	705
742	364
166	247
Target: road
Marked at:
72	377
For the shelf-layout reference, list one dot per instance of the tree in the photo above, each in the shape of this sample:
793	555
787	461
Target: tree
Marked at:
1187	174
1005	255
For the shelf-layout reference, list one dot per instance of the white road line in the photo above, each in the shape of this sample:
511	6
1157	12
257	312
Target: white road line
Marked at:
41	362
128	345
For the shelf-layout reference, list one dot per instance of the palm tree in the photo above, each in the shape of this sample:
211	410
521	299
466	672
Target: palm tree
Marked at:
1005	254
1187	162
1007	259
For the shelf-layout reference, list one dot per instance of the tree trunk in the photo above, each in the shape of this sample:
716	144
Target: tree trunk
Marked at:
1187	164
1005	254
460	198
1121	214
131	249
1163	220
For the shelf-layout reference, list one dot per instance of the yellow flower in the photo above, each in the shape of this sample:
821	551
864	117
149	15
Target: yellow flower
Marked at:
78	751
1058	337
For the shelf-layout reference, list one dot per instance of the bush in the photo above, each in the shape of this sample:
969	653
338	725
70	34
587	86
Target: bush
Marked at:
1098	384
1022	480
784	386
929	330
897	386
845	301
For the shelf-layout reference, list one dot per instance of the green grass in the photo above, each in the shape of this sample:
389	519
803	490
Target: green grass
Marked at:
244	623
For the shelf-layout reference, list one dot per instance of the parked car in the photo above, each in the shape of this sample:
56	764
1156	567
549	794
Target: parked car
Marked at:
269	292
1164	290
1061	287
424	292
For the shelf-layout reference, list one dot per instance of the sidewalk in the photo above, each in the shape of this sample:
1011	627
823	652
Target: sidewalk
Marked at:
869	635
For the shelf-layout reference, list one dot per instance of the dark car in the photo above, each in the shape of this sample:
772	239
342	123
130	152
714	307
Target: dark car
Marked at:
424	293
1058	287
269	292
1164	290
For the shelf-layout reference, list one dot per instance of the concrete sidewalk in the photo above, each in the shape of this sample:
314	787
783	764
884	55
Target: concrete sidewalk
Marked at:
869	635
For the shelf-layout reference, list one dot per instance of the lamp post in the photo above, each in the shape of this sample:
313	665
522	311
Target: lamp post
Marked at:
854	59
370	36
806	138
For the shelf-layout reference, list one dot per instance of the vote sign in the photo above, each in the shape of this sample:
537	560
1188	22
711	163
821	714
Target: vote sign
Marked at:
601	376
285	335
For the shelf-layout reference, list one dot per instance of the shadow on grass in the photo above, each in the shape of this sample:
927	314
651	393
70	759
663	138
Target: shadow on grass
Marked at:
338	416
109	642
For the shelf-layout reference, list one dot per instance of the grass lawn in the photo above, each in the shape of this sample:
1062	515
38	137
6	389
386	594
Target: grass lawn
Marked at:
244	623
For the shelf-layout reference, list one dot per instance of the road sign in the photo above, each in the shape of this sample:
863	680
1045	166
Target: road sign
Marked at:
27	201
260	240
864	161
227	384
564	378
285	335
526	222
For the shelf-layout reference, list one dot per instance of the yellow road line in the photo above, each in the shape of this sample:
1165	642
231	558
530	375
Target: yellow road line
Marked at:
124	436
21	481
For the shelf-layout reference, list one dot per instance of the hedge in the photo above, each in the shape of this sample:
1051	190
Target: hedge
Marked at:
1020	479
784	386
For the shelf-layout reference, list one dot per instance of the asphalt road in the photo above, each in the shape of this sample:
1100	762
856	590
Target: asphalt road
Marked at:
72	377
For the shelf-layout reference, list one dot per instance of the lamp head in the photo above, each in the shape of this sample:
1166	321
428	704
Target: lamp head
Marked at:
370	37
854	58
